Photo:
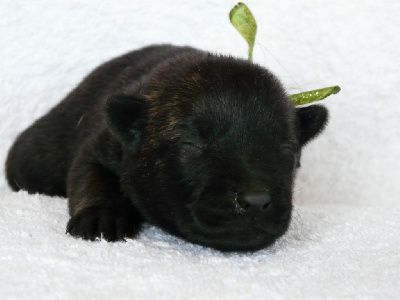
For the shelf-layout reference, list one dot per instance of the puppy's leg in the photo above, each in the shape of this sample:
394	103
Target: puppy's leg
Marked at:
96	204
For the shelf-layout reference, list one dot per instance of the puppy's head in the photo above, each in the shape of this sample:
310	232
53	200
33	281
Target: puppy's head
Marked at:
214	144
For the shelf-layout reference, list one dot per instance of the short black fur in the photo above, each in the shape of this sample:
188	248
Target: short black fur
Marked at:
204	146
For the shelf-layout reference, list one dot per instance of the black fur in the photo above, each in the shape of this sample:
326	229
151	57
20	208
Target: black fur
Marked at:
204	146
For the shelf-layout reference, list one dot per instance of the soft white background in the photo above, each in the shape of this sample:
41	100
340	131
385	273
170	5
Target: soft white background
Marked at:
345	238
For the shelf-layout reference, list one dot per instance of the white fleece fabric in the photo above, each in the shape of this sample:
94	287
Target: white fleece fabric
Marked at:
344	241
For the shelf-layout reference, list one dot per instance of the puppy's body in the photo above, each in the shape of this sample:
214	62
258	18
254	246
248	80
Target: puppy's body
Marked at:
203	146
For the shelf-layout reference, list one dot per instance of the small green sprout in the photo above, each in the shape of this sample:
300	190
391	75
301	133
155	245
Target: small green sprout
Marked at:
243	20
315	95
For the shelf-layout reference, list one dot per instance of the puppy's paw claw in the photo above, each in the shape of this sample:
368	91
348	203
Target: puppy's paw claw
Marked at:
102	222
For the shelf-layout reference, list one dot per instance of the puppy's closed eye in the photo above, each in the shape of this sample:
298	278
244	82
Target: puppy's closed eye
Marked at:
192	144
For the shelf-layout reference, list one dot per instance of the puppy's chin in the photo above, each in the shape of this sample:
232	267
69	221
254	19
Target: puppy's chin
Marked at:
227	231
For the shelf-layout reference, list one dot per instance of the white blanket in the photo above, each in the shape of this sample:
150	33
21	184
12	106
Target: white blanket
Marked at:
344	241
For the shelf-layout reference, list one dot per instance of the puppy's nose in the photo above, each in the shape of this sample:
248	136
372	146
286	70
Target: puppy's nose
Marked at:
256	202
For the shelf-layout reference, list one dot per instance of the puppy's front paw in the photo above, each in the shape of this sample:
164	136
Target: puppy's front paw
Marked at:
103	222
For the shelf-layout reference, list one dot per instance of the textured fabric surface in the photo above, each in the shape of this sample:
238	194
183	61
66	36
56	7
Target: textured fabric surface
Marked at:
345	237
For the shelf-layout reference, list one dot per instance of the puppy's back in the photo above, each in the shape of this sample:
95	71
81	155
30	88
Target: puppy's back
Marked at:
41	156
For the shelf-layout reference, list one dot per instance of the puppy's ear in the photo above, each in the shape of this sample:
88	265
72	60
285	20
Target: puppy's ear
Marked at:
311	121
125	115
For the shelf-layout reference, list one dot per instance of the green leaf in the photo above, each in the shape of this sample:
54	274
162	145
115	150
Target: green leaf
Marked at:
315	95
243	20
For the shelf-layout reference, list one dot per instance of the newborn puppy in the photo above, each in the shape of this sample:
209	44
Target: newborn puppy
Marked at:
204	146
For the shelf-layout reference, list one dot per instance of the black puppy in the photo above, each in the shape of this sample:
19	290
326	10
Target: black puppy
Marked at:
204	146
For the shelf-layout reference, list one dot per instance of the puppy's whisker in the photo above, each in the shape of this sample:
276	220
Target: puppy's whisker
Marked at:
299	189
297	221
79	122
